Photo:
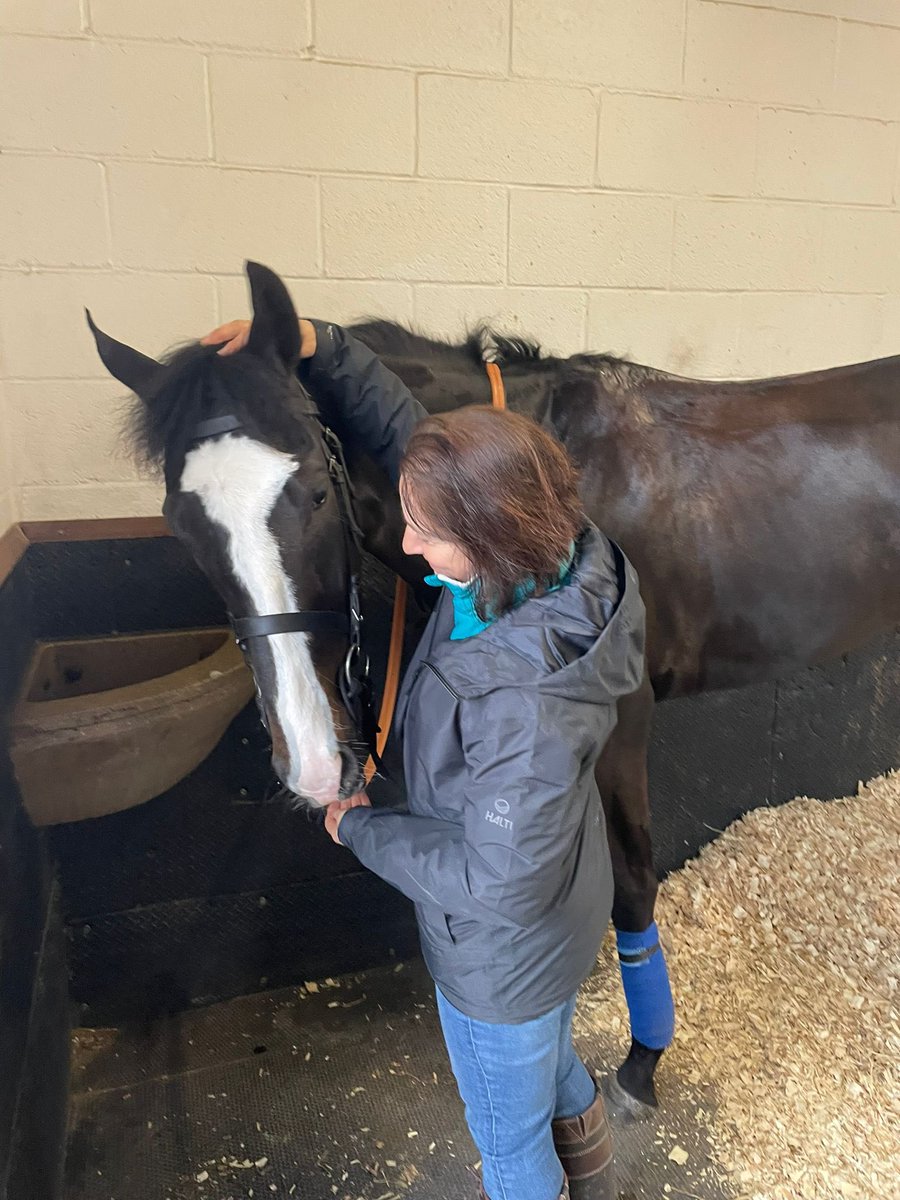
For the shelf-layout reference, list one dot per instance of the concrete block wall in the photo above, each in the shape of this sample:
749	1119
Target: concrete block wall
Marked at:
709	186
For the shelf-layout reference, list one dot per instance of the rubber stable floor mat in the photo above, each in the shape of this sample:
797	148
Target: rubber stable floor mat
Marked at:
339	1090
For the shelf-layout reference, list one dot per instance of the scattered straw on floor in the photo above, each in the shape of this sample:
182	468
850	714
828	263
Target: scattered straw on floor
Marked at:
783	941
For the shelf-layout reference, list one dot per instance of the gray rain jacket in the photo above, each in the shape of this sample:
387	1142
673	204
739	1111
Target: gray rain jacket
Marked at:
503	849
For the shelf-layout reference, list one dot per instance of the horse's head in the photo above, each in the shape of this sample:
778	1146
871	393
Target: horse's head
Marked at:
256	491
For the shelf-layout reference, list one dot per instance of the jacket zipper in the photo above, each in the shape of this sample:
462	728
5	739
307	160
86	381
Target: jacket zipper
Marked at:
432	668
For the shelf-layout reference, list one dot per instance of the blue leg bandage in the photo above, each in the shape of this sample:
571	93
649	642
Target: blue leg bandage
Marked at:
647	991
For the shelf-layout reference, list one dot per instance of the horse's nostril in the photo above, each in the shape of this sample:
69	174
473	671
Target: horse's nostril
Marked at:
351	772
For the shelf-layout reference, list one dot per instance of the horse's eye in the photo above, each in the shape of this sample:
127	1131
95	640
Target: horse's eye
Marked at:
319	499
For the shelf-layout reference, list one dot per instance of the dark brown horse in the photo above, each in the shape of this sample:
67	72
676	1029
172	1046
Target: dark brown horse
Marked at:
763	518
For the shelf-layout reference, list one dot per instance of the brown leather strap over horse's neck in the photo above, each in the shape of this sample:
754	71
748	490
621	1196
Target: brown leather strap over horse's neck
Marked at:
498	392
395	651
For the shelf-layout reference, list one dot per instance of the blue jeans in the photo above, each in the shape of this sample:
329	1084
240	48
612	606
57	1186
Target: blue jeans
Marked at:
514	1080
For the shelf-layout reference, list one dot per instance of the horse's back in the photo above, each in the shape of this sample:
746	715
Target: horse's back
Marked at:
856	394
763	516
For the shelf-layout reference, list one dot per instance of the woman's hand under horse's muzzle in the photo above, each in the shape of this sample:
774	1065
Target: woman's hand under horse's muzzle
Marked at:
335	811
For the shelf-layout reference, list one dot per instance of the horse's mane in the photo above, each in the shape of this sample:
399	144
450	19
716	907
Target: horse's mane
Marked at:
195	384
389	337
698	404
159	421
481	342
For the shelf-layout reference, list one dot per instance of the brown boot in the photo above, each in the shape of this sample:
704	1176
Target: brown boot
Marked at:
584	1146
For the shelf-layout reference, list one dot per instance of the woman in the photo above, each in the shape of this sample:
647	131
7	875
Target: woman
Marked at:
505	708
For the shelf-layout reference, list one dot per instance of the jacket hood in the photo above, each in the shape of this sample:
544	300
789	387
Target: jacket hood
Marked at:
584	641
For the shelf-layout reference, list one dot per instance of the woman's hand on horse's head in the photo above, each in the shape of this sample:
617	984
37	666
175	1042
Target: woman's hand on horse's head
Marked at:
335	811
236	334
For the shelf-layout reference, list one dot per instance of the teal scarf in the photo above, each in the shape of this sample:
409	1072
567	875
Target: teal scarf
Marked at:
466	622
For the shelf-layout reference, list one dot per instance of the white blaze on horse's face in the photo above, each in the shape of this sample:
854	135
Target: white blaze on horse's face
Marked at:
238	481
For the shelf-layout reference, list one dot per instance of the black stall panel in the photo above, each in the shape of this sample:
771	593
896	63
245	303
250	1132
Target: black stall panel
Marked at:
214	888
34	1029
211	890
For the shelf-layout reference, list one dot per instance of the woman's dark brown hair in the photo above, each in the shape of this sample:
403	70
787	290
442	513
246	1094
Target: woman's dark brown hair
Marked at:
503	490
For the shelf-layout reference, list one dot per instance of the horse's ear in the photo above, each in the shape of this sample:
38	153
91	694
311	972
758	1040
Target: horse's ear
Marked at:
275	326
129	366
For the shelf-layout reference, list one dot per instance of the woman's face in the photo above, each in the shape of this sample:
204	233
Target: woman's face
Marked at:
444	558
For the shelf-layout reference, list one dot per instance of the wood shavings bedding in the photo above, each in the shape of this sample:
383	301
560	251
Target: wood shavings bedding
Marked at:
783	942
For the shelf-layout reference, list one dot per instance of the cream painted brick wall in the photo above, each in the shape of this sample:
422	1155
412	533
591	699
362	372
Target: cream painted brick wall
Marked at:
341	300
67	430
868	67
890	327
9	509
734	245
758	54
461	35
69	461
807	156
82	501
415	230
278	25
187	218
318	115
878	12
52	212
689	333
555	317
611	43
589	238
672	144
46	334
863	250
707	186
791	330
506	130
98	98
9	492
41	16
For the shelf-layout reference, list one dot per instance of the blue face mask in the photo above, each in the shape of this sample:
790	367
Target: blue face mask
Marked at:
466	622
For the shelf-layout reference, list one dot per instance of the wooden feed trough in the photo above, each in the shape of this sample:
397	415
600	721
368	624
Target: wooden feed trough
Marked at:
103	724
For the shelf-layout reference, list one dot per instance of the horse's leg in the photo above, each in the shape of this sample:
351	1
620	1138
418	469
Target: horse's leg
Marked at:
622	779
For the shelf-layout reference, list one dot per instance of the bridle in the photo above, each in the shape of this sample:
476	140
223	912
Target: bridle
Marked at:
354	679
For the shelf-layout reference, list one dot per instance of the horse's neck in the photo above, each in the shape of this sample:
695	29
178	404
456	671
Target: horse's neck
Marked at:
456	381
378	514
440	388
444	385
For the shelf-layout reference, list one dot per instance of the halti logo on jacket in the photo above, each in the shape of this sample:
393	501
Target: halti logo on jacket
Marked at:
501	806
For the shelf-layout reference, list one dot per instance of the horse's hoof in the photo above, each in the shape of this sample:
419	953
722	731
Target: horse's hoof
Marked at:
635	1076
624	1107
